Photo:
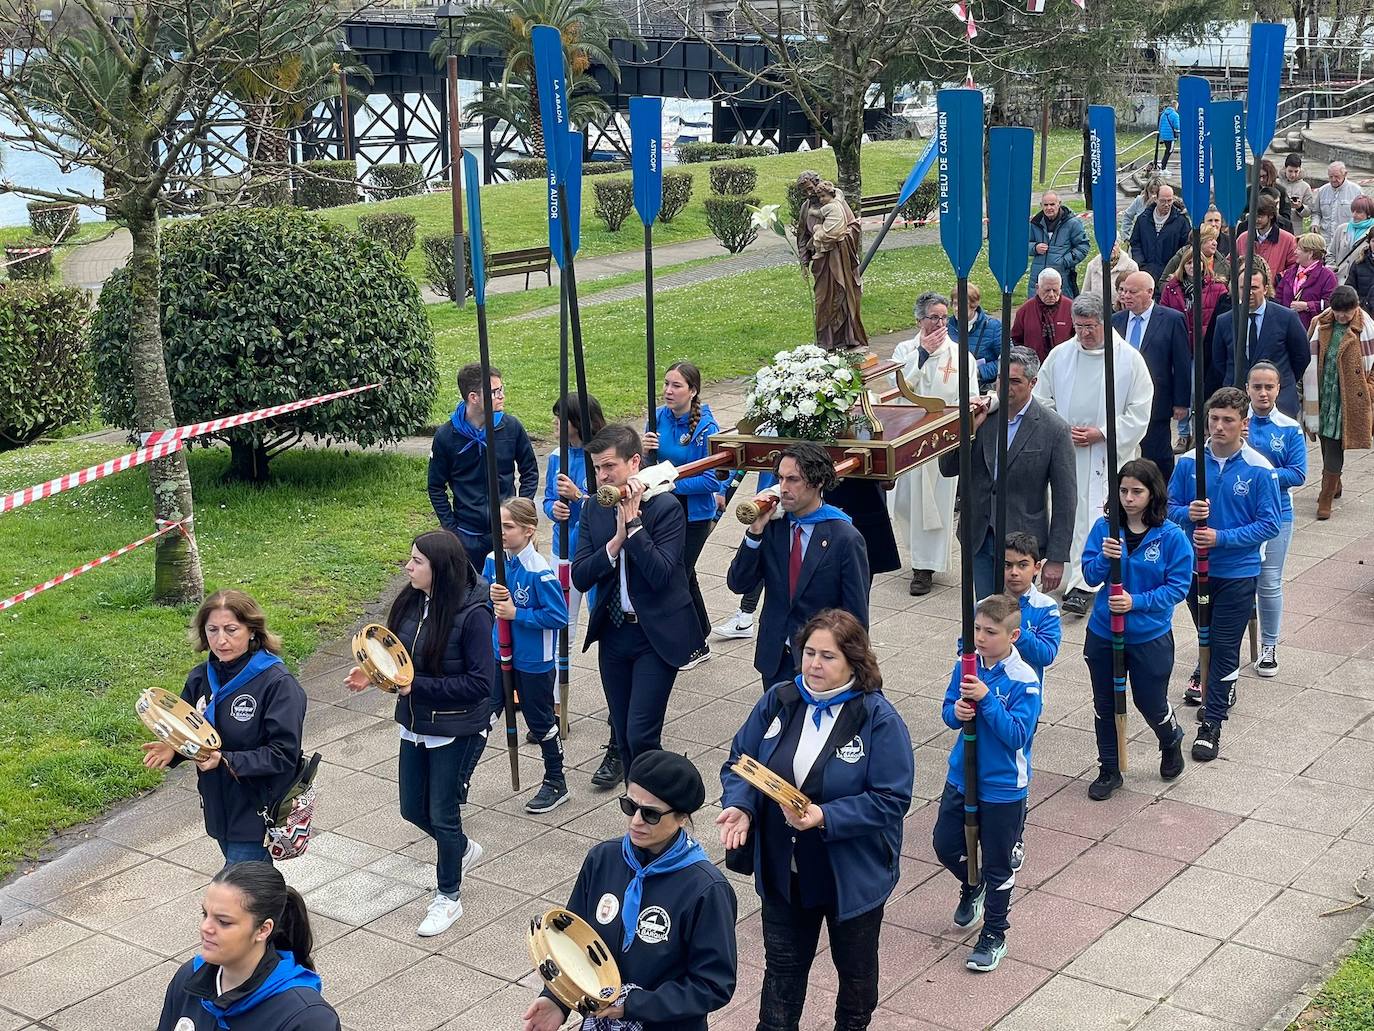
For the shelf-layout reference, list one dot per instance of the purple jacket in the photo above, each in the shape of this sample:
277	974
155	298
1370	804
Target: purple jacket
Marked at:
1316	289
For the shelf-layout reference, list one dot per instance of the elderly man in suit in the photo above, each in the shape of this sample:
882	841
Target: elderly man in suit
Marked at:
643	619
1161	336
1040	482
806	553
1275	335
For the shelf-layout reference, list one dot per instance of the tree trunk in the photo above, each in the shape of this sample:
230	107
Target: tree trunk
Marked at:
846	139
177	578
536	140
247	460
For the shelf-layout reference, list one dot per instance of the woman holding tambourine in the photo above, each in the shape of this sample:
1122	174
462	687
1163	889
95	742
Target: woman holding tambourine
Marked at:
665	913
444	620
832	734
245	692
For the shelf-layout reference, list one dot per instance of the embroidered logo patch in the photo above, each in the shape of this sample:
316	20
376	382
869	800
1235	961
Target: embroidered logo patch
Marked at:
244	708
1153	551
654	925
774	728
852	752
1241	488
1276	445
607	908
185	1024
521	595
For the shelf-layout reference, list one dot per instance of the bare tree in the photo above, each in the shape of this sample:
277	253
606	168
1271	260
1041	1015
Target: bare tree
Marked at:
135	95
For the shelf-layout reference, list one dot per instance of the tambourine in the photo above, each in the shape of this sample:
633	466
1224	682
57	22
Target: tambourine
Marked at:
761	777
177	722
574	962
383	658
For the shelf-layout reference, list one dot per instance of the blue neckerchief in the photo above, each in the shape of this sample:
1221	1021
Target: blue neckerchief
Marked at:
287	974
257	662
683	852
824	705
469	432
820	515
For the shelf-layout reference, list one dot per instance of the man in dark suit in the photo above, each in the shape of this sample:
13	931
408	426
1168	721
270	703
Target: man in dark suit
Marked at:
806	553
1275	335
1158	233
1161	336
643	619
1042	493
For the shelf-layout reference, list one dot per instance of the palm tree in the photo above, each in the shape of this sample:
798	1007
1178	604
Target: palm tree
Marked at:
511	104
587	27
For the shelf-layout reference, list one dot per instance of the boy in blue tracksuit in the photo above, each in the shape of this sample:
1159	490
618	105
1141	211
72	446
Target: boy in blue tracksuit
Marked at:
1003	701
1278	438
532	600
1156	569
1242	511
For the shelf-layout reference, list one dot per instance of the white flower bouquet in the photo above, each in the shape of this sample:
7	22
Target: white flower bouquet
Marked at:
806	393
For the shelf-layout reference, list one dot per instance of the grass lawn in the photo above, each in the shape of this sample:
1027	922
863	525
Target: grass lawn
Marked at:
313	547
1068	143
1346	1002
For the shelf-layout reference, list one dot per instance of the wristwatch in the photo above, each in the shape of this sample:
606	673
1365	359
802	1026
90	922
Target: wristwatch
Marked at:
634	524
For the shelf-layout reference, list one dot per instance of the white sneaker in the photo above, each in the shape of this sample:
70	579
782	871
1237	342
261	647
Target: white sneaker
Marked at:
740	625
1268	664
471	856
443	911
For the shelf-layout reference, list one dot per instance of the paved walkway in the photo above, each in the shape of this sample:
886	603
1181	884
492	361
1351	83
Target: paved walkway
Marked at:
1191	906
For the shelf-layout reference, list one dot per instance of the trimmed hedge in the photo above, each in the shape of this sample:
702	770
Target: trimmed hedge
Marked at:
265	305
49	217
677	191
438	251
795	196
751	150
603	167
528	168
615	199
395	180
693	153
734	180
921	203
32	260
394	230
729	219
339	187
45	369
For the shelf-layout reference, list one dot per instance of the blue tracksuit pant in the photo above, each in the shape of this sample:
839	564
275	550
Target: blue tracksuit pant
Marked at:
1148	668
1233	600
1000	826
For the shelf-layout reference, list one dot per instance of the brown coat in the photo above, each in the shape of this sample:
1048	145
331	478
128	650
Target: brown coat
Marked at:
1356	378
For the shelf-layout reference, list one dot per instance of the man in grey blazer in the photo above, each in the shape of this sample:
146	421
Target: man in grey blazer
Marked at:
1042	492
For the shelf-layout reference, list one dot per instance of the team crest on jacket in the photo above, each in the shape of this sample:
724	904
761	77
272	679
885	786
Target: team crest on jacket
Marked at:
1241	488
1276	445
607	908
654	925
185	1024
244	708
522	596
774	728
852	752
1153	551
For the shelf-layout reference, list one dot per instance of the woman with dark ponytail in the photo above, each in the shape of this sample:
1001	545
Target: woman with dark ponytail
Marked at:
684	426
444	618
254	971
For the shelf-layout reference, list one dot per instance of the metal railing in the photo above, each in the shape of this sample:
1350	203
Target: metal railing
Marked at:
1128	159
1317	103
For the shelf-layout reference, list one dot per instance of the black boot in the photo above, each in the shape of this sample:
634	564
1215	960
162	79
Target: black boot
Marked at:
611	772
1108	781
1171	749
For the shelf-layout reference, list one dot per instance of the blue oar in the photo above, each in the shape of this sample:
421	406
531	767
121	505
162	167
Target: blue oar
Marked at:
914	178
646	164
959	135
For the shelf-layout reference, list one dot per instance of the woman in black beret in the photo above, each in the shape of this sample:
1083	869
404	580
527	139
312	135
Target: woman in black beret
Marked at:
665	912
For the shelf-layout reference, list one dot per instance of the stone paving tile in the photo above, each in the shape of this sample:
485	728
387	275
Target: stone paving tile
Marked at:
1047	852
360	898
72	974
539	863
1230	786
1170	1018
1242	984
428	993
83	864
135	1003
171	929
1292	925
902	955
33	934
1272	744
949	995
1173	829
1333	873
1316	806
1067	1002
1048	931
14	1022
127	894
503	1009
1114	878
201	855
1265	851
154	826
360	959
1071	811
1349	761
1142	958
1182	902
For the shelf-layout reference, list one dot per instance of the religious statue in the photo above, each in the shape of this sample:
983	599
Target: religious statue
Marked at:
828	239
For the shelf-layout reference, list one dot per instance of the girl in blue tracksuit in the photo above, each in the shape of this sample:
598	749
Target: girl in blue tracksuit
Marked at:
831	733
1156	569
1278	438
533	601
254	971
680	434
565	492
1003	701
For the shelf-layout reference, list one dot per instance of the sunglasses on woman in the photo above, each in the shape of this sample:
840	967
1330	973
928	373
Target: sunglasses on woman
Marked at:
629	807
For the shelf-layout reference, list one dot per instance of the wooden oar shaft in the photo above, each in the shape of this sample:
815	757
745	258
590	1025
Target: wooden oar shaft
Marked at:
609	494
747	511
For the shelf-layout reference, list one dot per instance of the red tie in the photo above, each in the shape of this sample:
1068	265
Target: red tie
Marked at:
794	561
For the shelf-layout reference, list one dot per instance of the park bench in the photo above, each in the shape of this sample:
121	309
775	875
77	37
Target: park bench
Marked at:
878	204
527	261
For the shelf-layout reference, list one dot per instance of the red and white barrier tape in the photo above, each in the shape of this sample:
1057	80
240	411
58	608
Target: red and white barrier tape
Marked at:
38	492
71	574
229	421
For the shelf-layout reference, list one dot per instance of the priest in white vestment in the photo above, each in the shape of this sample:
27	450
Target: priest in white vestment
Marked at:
923	500
1072	383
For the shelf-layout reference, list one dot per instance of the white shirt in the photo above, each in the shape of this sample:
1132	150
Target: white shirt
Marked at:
813	738
623	561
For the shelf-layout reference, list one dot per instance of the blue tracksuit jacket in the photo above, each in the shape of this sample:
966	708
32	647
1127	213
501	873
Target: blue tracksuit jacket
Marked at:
540	611
1041	632
700	491
577	462
1244	492
1005	725
1279	438
1156	575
